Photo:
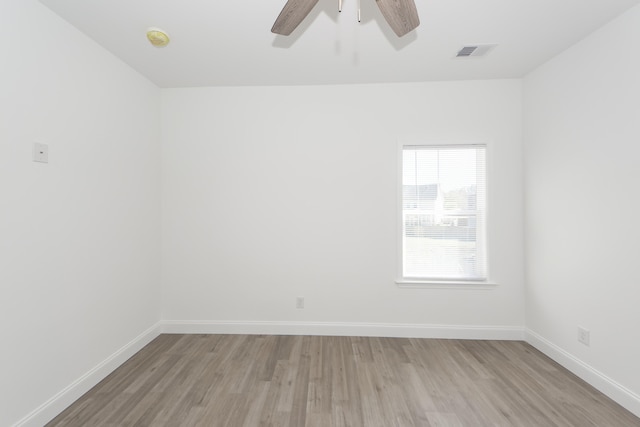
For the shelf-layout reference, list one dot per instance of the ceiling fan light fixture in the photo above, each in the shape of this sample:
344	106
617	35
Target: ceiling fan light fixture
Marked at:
401	15
157	37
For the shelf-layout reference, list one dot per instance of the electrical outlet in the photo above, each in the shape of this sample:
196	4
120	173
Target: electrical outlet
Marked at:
40	152
583	336
300	303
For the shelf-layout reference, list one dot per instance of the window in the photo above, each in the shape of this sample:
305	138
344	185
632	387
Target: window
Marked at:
443	213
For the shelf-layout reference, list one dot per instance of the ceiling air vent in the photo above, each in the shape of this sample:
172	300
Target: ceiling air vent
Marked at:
466	51
474	50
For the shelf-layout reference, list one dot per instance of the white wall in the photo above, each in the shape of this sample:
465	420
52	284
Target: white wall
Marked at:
275	192
582	113
79	236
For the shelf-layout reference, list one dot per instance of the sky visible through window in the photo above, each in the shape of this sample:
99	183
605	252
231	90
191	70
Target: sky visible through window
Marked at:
452	167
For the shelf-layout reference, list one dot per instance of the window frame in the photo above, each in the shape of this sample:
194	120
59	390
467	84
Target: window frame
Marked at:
435	283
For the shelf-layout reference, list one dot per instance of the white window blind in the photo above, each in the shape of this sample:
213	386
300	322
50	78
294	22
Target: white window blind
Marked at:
443	212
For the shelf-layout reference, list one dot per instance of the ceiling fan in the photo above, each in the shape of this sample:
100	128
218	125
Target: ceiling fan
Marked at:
401	15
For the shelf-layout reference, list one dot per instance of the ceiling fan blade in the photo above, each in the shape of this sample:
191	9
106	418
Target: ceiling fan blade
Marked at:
401	15
293	13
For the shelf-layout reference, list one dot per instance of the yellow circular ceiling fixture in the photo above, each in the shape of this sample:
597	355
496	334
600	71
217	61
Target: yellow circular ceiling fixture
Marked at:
157	37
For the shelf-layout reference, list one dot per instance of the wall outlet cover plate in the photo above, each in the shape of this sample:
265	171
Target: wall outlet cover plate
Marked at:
40	152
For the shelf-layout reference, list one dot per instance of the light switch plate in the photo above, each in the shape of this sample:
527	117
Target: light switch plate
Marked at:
40	152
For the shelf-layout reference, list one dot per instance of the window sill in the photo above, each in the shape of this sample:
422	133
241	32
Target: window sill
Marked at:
444	284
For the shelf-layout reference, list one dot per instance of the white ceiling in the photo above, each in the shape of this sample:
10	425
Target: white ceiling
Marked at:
228	42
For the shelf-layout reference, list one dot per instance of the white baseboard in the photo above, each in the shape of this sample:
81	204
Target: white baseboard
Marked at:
344	329
620	394
58	403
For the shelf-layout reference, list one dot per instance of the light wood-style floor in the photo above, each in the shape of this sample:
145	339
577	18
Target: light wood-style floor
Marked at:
295	381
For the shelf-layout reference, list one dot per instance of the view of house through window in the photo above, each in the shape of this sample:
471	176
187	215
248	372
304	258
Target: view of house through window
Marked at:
443	212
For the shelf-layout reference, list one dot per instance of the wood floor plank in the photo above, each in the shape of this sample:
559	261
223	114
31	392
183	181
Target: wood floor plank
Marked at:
307	381
346	391
270	413
257	399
